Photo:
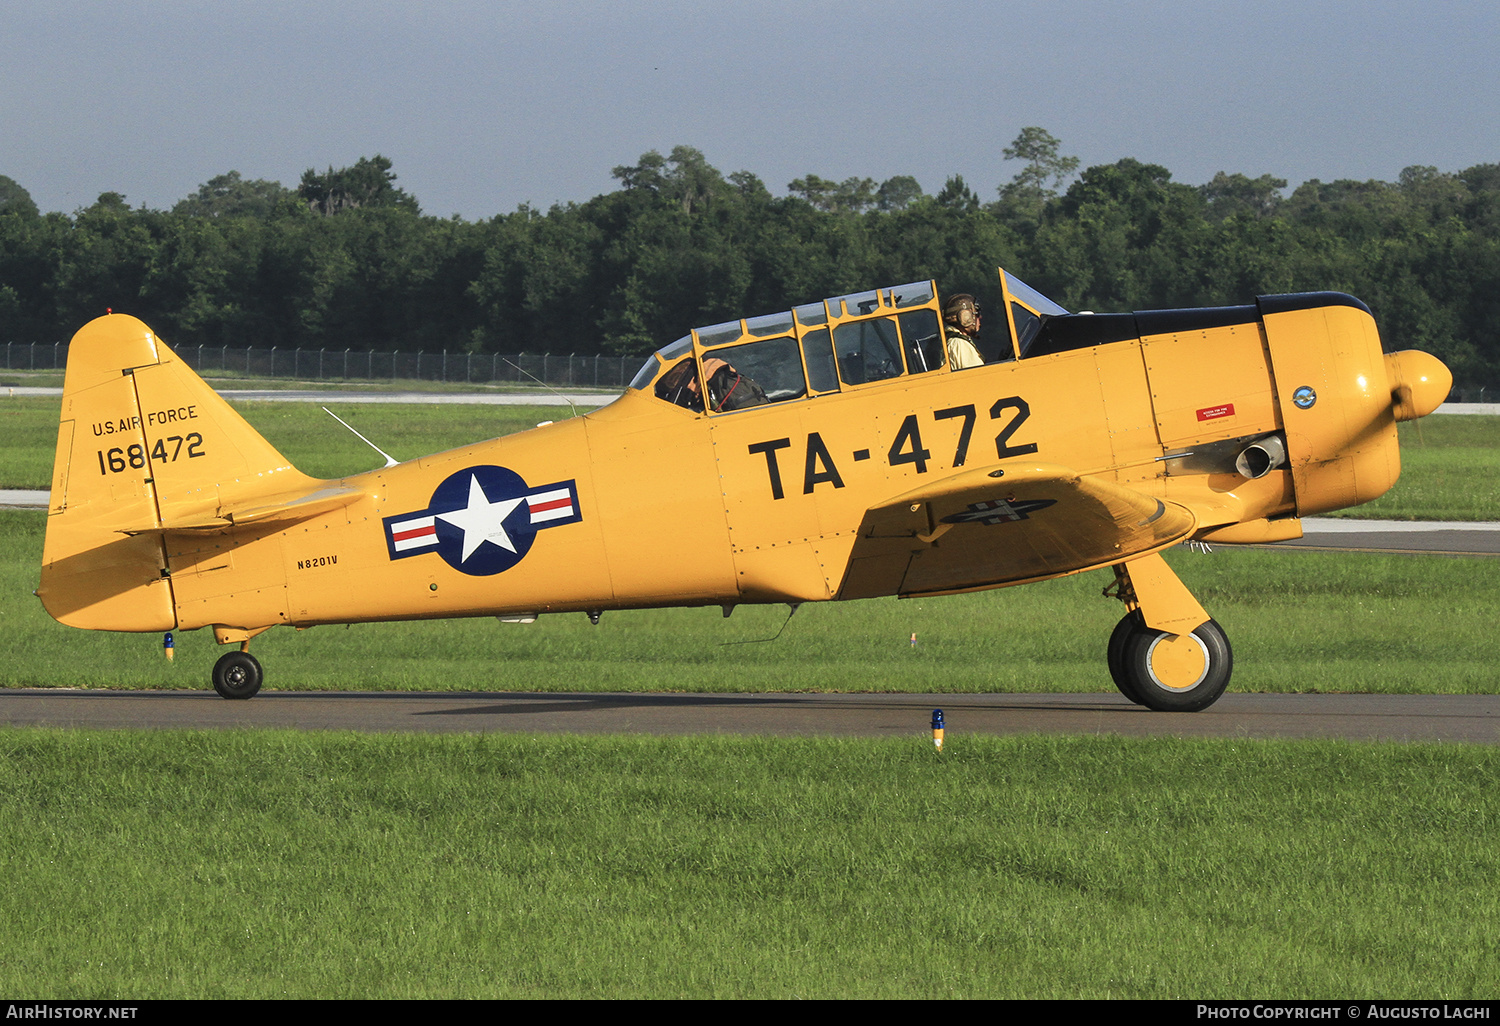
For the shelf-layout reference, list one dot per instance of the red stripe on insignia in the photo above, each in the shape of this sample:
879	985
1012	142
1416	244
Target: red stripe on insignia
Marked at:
416	533
542	507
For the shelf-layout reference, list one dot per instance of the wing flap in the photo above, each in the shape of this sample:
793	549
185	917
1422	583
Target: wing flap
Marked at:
997	526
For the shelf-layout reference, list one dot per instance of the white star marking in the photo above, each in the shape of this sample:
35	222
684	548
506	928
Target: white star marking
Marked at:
482	520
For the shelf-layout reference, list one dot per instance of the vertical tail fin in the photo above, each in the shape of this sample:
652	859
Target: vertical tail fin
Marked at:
143	442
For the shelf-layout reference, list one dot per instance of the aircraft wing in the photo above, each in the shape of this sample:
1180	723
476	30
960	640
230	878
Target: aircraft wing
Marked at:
1005	525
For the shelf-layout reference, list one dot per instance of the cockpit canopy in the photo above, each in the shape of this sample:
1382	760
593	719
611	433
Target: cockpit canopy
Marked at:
840	343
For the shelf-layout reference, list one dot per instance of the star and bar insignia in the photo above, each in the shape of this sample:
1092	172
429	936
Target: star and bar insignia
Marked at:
998	511
482	520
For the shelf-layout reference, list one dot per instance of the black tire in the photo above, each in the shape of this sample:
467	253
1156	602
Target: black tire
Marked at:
1115	655
1175	672
237	675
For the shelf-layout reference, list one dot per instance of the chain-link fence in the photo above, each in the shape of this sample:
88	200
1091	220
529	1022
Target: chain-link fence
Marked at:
335	365
472	368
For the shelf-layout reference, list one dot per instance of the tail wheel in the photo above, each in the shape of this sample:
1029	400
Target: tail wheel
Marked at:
1172	672
237	675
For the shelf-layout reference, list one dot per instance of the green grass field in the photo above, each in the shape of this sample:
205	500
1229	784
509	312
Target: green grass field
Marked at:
276	864
1450	470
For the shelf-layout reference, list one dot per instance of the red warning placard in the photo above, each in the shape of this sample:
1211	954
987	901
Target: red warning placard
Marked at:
1215	412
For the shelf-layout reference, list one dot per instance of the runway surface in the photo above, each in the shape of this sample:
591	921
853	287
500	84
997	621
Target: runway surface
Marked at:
1426	537
1466	718
582	400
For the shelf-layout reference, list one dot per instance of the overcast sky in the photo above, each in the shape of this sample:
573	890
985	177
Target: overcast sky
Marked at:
484	106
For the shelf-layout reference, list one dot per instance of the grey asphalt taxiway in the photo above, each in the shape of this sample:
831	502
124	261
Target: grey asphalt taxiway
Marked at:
1425	537
1465	718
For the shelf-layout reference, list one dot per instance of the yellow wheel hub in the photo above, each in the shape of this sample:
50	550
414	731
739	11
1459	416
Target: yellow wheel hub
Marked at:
1177	662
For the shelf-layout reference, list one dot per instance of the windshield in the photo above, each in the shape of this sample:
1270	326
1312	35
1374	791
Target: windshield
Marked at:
663	357
1031	297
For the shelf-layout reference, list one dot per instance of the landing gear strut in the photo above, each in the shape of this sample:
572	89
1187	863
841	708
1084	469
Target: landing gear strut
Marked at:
1179	661
237	675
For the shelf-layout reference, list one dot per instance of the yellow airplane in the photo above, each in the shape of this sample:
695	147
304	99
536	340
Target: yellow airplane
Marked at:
831	451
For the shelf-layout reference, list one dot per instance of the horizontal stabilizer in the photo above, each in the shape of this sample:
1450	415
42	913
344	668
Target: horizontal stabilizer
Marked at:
1005	525
273	510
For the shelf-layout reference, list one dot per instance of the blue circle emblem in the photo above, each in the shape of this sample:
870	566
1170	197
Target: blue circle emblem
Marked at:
484	525
482	520
1304	397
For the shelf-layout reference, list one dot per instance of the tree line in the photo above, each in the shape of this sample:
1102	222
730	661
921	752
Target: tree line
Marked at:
347	259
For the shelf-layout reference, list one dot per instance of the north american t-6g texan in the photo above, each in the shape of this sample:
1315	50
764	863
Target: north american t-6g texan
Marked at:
832	451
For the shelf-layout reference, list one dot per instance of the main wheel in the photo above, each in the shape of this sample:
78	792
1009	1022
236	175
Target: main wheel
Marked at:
1174	672
237	675
1115	655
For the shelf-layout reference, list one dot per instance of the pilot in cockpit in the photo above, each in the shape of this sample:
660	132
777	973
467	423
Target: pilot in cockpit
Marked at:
961	324
728	389
680	386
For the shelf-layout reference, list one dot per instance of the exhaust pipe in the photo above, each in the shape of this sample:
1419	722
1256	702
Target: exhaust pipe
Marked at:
1261	457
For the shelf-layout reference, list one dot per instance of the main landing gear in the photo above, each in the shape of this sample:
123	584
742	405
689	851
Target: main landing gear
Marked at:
237	675
1166	654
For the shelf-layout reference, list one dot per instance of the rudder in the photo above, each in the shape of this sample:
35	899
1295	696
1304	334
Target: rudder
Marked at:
143	442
